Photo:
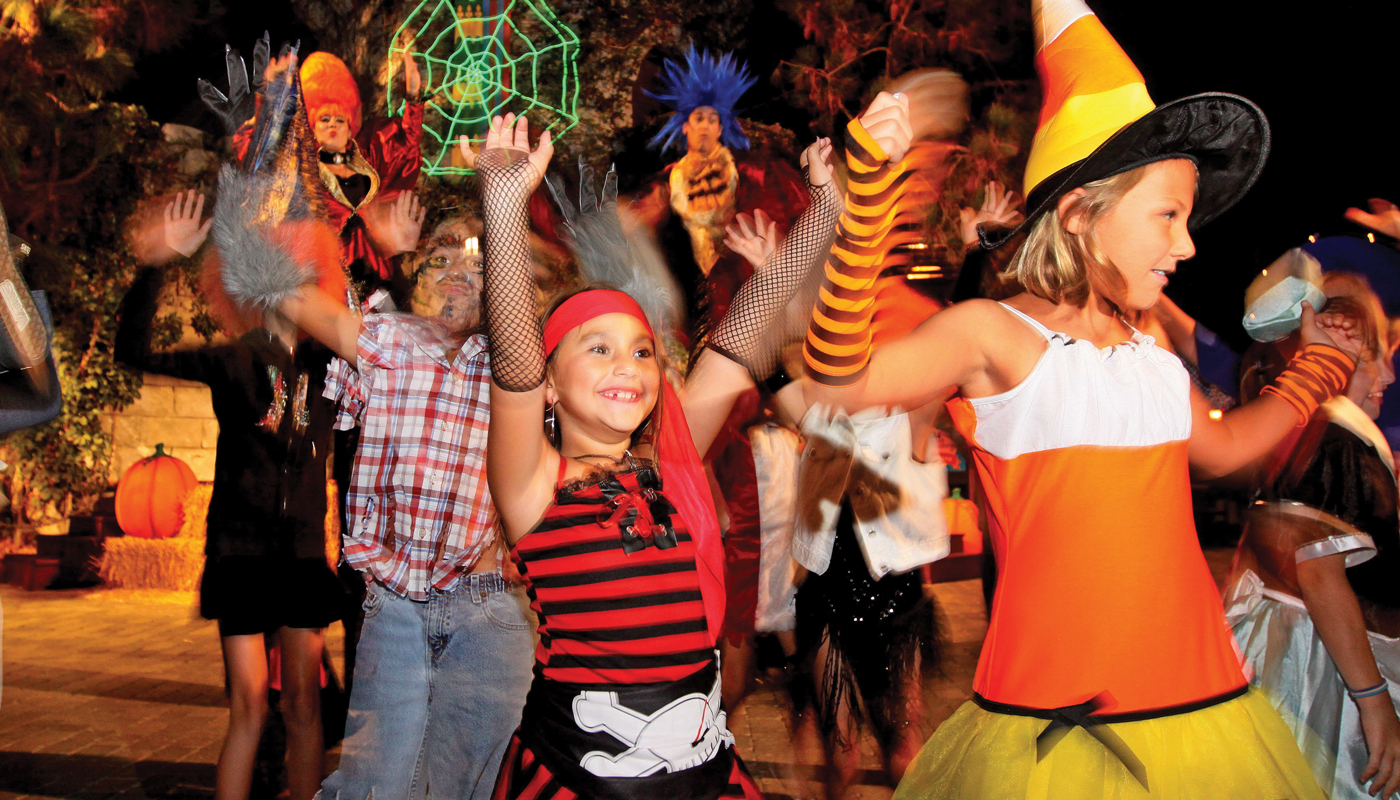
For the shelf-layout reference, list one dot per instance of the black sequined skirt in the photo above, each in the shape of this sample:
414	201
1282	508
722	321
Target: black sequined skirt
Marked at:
883	635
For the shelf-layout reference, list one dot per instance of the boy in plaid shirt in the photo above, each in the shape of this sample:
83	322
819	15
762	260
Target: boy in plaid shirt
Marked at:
444	658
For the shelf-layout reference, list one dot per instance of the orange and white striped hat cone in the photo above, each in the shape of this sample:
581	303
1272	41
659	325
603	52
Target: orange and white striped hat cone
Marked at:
1097	120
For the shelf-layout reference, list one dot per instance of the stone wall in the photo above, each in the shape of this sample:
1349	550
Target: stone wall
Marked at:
172	412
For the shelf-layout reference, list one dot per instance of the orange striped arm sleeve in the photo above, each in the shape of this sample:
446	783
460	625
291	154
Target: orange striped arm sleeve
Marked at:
881	207
1316	374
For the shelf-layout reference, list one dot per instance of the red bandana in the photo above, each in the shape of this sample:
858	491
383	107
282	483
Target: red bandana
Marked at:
683	478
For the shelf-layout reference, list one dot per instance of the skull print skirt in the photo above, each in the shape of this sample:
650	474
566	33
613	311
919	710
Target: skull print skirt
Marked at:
624	742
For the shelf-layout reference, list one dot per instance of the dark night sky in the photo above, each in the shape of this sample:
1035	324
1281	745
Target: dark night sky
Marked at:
1326	80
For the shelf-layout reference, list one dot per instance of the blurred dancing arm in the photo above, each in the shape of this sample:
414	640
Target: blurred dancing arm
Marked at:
136	328
1326	358
998	210
326	319
881	205
743	349
182	230
1383	218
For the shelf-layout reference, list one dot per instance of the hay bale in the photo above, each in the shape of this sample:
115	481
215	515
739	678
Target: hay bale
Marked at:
176	563
132	563
196	512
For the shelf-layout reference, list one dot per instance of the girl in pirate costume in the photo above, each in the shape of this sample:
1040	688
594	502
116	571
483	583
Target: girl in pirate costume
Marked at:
593	461
1107	668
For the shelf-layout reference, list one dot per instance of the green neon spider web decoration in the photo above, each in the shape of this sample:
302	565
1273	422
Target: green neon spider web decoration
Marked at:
484	58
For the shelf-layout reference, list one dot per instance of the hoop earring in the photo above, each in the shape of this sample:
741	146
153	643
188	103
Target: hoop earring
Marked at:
551	426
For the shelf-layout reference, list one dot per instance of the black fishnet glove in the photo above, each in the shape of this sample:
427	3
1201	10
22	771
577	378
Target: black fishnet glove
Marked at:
751	332
512	318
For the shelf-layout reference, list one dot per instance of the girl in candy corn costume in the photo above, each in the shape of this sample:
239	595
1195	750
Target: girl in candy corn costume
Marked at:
1108	670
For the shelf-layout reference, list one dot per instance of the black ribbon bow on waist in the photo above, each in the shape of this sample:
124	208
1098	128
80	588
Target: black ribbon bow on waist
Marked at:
642	514
1063	720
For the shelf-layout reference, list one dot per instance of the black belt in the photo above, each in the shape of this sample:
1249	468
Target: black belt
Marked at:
1082	715
549	728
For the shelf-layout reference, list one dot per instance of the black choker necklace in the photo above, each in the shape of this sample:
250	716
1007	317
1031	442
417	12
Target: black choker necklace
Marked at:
337	159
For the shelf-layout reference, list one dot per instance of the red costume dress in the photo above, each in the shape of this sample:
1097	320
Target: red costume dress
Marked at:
626	698
387	155
384	157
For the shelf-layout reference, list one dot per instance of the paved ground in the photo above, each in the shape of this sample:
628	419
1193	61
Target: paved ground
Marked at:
119	694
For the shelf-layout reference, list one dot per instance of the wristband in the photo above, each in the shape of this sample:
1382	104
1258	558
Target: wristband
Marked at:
1380	688
1316	374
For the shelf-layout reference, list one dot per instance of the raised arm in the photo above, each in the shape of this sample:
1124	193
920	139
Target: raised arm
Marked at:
948	348
742	349
326	319
522	463
1319	371
136	327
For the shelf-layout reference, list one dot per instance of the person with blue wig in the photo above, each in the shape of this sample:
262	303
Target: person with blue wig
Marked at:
691	204
708	187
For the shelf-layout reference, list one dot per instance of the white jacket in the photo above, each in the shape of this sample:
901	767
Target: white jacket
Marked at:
897	501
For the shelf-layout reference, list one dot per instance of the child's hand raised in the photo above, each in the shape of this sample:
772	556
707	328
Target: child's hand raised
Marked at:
816	159
511	135
887	122
1337	330
999	209
1384	217
756	242
183	232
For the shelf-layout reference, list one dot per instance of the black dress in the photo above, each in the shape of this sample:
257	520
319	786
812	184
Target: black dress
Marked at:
265	550
1339	473
881	635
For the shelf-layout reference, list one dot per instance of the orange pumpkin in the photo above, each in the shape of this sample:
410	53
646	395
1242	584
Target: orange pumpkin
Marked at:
151	496
962	518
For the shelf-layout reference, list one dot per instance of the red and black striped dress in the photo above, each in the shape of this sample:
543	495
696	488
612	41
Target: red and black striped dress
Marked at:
608	617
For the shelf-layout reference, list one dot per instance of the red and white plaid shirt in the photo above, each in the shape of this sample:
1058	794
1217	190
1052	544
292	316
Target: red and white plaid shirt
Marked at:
419	512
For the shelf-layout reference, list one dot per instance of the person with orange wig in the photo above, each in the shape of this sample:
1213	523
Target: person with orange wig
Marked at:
361	165
362	169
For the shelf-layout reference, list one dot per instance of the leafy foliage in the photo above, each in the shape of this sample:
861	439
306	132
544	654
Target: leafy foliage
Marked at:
73	166
858	46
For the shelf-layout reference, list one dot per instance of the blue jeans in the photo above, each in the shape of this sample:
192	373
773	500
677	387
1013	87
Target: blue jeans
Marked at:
437	694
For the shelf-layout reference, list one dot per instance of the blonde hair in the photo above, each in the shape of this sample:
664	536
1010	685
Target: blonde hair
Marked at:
1062	267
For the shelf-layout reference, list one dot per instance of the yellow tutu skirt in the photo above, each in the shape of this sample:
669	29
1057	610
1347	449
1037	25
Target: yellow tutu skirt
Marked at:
1239	749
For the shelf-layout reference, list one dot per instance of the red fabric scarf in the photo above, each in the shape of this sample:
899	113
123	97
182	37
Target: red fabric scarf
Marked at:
682	476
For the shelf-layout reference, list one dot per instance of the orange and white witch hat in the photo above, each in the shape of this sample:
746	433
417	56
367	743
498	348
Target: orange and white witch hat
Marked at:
1097	120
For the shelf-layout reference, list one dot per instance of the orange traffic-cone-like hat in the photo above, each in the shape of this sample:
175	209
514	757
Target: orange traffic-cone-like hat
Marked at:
1097	120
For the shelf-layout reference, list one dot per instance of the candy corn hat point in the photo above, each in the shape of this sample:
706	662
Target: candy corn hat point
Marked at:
1098	120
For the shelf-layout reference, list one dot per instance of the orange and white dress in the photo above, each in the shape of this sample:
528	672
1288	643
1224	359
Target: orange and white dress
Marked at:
1108	669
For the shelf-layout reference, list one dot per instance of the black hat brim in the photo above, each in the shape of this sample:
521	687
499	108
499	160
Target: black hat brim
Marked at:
1226	135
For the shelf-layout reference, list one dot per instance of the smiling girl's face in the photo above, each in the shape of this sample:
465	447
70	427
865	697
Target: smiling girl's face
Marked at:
603	380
